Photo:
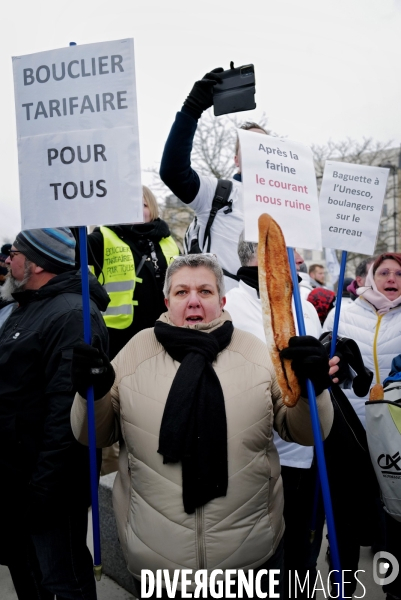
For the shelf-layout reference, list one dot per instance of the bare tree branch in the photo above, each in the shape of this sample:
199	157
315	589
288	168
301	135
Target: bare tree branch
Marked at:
214	144
367	152
213	148
213	154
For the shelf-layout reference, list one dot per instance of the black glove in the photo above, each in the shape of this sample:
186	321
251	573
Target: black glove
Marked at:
201	96
350	356
309	361
343	374
90	366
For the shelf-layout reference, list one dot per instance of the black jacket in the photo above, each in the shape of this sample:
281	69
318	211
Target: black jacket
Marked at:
44	469
352	480
149	293
175	168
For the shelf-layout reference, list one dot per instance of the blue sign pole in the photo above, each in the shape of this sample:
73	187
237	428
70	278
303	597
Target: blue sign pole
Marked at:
83	253
338	303
321	462
97	563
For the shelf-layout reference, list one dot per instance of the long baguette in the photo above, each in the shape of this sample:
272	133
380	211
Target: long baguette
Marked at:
275	286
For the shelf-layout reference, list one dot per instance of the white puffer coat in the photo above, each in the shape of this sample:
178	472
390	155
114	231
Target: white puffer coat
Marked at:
378	338
245	309
242	529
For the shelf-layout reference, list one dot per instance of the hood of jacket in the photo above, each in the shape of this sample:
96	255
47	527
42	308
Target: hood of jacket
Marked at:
379	301
66	283
154	230
305	281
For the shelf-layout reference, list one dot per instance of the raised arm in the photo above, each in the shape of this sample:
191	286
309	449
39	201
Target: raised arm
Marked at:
175	169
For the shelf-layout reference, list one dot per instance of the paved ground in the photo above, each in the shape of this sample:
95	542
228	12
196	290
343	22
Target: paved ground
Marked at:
109	590
373	591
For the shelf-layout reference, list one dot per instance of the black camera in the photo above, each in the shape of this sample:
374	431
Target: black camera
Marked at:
236	92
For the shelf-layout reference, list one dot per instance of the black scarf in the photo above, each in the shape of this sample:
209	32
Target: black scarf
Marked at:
250	276
194	427
154	230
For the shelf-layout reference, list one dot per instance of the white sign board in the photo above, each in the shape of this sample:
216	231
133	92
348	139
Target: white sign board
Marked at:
279	178
77	128
351	199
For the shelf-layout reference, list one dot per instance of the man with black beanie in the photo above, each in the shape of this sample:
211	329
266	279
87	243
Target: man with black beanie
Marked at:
45	499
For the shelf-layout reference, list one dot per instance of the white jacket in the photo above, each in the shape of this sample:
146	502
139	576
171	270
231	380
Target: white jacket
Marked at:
227	227
378	338
329	322
245	309
305	285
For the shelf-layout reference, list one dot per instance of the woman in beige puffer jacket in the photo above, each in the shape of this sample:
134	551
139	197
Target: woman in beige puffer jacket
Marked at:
240	530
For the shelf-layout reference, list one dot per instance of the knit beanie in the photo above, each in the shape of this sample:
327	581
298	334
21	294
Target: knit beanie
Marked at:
323	301
53	249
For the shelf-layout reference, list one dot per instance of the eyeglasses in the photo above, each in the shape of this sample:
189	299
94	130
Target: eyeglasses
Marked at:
12	253
383	273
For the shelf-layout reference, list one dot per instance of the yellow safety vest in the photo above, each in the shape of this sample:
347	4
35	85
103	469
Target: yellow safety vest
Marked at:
119	279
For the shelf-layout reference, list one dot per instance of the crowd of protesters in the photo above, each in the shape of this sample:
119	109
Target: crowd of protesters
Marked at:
214	471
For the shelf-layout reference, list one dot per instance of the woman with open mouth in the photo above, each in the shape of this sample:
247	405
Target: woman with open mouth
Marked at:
194	401
374	321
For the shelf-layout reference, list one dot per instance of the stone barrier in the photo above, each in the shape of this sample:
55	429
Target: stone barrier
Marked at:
112	557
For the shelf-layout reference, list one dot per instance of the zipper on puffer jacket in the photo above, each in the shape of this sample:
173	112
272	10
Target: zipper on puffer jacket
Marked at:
375	359
200	537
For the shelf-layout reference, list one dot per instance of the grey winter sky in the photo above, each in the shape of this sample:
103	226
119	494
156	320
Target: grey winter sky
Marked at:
325	69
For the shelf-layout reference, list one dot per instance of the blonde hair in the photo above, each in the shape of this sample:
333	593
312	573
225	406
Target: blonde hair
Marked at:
151	201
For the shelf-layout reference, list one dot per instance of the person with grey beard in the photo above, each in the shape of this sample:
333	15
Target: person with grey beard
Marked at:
11	284
46	494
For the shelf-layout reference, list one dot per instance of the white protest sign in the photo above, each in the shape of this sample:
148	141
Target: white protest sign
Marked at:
351	199
77	127
279	178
